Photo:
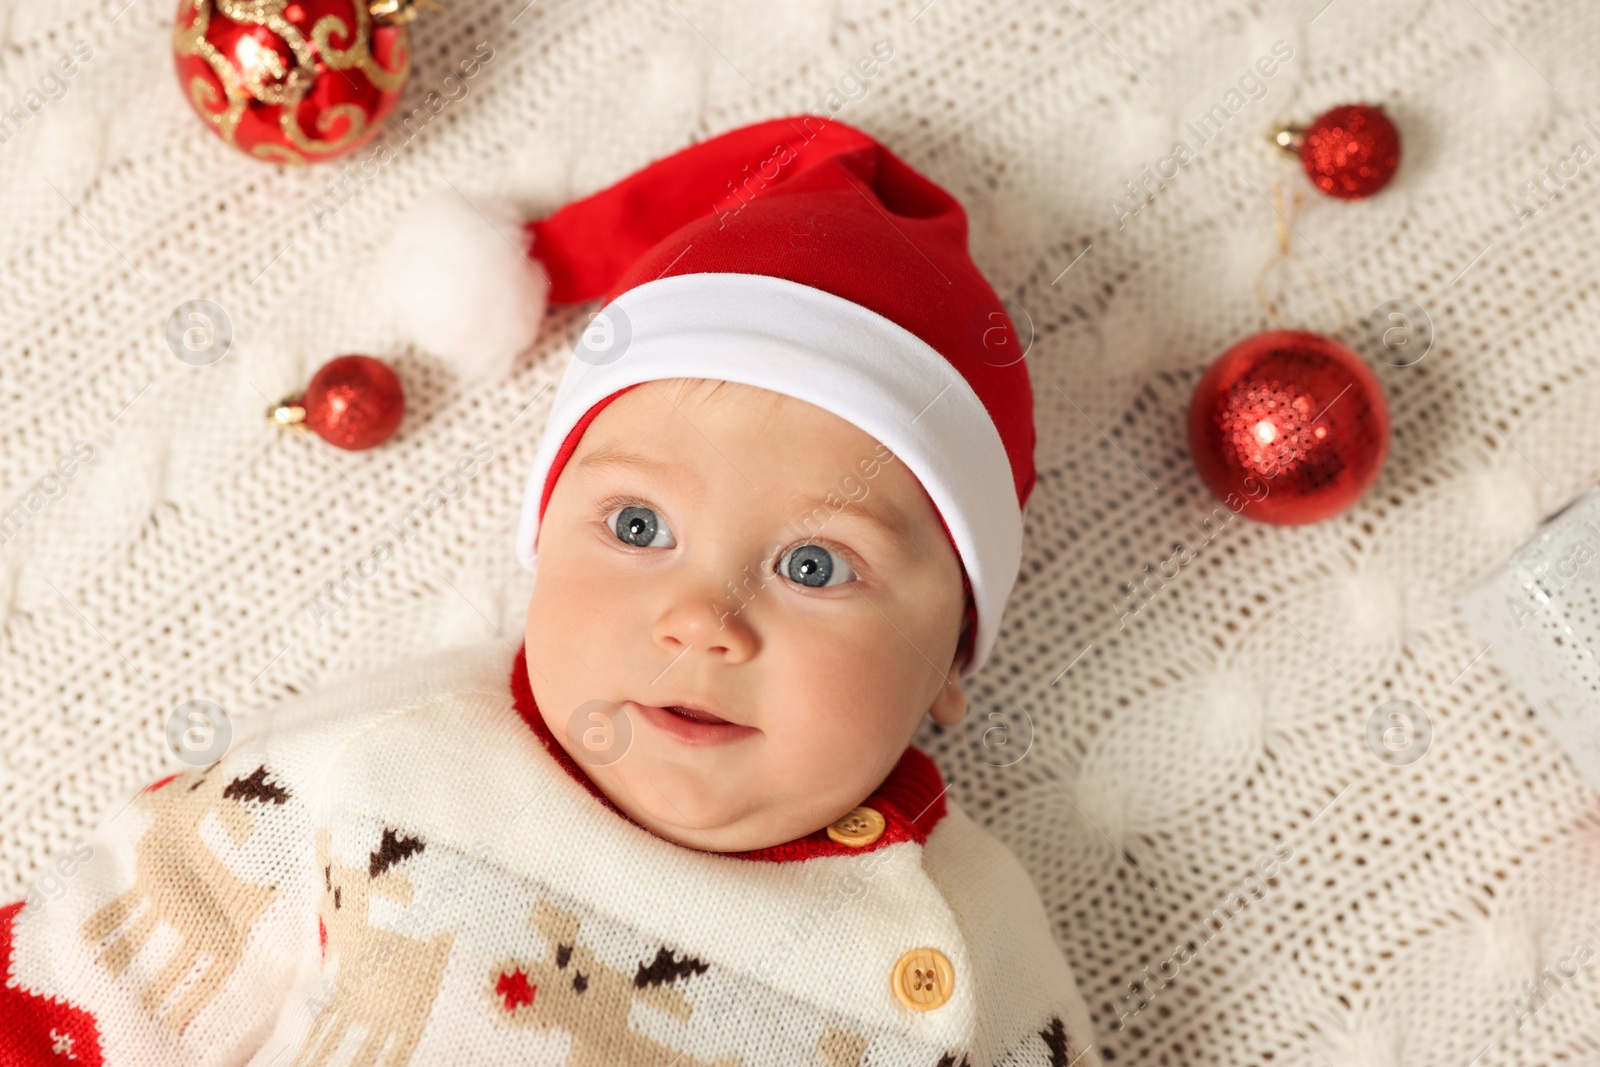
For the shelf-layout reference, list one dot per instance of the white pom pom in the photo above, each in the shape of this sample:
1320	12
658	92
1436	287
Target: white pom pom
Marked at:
462	285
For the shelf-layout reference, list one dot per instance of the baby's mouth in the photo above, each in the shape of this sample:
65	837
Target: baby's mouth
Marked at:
693	726
694	714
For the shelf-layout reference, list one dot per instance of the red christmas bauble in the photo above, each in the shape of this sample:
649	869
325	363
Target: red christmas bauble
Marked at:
1288	427
1351	151
292	81
353	402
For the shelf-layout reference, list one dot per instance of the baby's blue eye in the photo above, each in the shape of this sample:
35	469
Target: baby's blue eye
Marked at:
815	566
641	528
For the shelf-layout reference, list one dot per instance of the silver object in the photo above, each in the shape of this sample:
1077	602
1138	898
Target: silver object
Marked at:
1540	613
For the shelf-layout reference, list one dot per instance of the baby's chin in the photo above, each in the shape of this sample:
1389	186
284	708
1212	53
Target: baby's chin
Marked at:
678	806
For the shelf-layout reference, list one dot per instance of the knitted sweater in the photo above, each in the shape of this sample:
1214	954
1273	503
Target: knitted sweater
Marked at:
410	869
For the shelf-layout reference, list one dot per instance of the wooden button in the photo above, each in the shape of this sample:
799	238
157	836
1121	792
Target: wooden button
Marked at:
923	979
858	827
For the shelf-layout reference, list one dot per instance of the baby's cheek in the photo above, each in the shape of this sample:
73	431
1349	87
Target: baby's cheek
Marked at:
558	642
840	743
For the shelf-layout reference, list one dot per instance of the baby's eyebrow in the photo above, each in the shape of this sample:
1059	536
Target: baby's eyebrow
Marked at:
886	519
612	456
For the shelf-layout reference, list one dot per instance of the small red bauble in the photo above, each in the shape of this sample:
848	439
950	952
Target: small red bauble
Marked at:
353	402
1349	152
1288	427
293	81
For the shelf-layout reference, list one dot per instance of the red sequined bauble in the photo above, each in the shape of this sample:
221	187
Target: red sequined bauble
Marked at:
1288	427
1351	151
354	402
291	81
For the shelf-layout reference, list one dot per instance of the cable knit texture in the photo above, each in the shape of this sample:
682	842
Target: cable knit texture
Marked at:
1214	721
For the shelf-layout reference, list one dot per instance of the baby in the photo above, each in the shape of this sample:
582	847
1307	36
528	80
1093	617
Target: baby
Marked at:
761	715
773	519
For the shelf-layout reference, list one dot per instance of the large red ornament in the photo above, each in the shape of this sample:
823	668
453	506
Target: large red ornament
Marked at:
1288	427
353	402
1349	152
293	81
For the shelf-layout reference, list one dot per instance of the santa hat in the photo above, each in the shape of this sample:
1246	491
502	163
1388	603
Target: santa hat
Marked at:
797	255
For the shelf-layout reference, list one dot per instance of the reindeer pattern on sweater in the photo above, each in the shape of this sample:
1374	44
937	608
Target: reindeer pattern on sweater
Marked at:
398	872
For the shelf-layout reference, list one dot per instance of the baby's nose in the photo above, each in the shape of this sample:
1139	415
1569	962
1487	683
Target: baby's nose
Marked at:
719	626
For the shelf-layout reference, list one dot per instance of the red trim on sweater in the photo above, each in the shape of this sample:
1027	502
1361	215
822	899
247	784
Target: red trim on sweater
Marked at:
37	1031
911	799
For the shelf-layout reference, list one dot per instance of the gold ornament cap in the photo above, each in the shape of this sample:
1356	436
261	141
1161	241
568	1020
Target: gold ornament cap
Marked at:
399	12
1289	138
290	414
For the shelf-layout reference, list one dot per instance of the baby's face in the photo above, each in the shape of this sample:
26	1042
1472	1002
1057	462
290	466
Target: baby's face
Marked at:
720	551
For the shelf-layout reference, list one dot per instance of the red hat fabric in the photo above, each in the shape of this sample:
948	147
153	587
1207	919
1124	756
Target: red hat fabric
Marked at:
800	255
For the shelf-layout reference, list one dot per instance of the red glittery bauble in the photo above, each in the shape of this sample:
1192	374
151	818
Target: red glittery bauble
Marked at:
1351	151
354	402
1288	427
290	81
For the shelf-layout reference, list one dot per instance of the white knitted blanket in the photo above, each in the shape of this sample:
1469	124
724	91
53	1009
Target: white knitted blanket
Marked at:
1211	724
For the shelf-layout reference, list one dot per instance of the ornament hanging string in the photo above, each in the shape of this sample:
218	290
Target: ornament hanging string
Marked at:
1283	223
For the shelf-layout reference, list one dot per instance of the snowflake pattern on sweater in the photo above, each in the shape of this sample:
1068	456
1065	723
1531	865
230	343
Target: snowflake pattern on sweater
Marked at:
410	870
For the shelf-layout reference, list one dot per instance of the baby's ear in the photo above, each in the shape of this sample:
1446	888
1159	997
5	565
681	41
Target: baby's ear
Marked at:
951	703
